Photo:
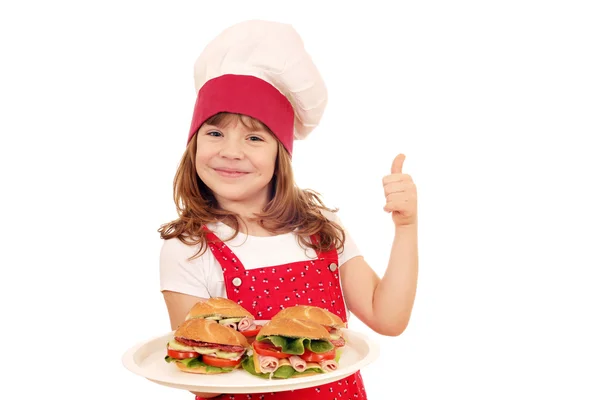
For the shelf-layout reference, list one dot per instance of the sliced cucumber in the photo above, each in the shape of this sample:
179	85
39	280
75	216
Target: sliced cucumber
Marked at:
175	345
335	337
204	350
229	320
215	317
227	355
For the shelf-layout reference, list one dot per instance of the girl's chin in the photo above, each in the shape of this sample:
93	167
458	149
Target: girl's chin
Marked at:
236	196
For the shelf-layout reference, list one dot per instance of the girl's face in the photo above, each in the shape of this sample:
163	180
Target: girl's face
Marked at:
236	162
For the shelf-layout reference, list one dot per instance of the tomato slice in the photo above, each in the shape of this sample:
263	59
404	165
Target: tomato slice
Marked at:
251	333
267	348
180	355
309	356
220	362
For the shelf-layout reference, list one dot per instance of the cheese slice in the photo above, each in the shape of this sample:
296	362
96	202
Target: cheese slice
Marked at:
283	361
313	365
256	363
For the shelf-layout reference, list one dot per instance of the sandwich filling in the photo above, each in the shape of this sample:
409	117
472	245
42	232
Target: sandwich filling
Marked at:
244	325
337	339
283	357
214	357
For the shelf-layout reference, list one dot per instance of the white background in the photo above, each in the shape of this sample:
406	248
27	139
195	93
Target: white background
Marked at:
495	104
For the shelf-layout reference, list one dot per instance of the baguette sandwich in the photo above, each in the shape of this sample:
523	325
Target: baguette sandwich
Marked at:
327	319
204	346
291	348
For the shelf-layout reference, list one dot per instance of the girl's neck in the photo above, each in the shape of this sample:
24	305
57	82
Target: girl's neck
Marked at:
245	209
246	215
254	229
251	228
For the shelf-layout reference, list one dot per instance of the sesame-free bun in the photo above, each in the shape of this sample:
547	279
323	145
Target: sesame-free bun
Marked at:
311	313
294	328
207	330
218	306
200	370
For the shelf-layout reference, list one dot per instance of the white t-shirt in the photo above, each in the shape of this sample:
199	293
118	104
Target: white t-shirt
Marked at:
203	277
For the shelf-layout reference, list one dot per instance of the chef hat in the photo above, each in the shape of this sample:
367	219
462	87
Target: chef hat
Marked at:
260	69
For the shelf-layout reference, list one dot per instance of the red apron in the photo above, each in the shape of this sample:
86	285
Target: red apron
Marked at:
265	291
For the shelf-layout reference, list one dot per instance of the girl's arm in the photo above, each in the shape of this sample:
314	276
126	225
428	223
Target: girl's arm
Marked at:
178	305
385	304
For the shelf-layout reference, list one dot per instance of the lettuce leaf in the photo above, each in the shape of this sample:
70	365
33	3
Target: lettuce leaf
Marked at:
197	362
283	372
319	346
338	355
297	345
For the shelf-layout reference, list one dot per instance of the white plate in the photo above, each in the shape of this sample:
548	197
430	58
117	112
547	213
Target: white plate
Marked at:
148	360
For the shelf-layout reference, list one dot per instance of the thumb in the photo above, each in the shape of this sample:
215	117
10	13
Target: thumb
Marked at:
398	163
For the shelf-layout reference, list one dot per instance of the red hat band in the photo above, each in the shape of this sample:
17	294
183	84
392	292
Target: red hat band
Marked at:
249	95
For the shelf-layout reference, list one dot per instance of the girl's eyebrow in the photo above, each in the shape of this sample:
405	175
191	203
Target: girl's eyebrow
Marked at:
251	130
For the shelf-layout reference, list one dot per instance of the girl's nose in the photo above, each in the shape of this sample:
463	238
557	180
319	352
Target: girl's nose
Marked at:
232	149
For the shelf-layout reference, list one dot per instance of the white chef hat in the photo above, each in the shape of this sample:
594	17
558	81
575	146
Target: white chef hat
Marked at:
261	69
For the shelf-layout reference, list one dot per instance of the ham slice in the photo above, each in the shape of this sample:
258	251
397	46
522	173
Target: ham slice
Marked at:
267	364
246	324
231	325
298	364
329	365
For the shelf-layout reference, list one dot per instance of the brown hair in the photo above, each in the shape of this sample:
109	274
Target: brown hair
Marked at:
289	208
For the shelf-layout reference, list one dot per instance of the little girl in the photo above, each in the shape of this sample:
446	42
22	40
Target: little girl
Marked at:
245	231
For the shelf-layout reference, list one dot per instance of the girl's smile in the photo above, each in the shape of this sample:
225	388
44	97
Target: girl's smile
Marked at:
230	173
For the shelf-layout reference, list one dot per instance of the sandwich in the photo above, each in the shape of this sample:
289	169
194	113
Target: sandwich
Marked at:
203	346
228	313
328	320
291	348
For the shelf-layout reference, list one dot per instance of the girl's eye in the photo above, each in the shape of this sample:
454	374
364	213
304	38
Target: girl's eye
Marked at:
255	139
214	133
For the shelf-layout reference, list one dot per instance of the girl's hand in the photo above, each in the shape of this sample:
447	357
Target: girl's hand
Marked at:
400	194
202	396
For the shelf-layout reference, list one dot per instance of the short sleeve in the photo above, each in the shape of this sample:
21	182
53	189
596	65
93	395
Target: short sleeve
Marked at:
350	250
178	274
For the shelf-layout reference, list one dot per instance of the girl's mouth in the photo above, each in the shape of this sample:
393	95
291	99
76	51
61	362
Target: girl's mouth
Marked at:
229	173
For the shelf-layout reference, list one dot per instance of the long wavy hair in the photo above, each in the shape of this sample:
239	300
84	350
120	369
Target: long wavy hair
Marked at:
289	209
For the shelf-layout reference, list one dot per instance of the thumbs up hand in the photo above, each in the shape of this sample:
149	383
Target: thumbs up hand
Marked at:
400	194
